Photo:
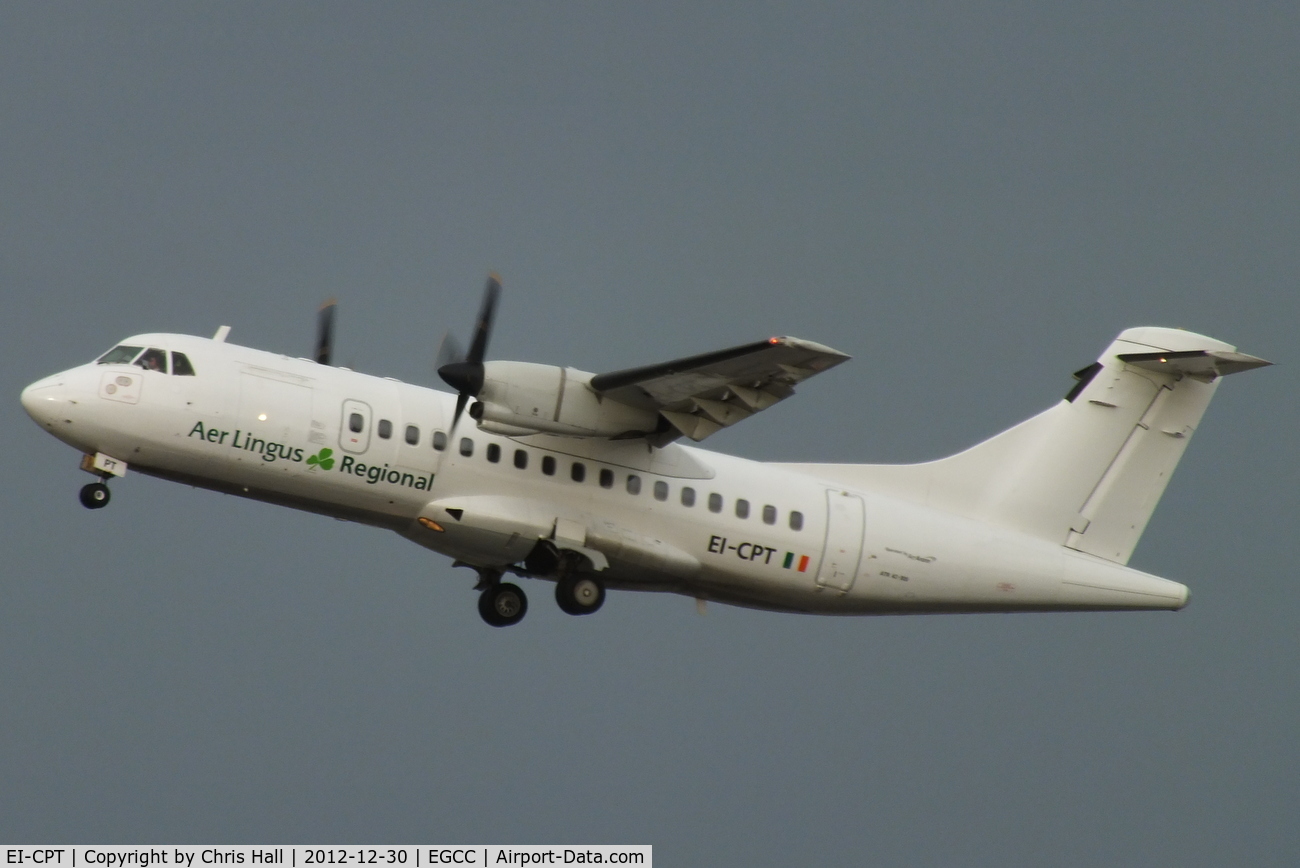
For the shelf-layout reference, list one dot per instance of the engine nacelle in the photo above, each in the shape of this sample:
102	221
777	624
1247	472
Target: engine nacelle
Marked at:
527	397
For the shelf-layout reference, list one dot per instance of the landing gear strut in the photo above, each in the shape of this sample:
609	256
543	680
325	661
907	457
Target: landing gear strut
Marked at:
94	496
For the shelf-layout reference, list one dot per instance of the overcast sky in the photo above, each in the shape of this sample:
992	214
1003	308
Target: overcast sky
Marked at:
970	199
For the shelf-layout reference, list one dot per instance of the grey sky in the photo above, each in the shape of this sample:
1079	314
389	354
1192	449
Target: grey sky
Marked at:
972	200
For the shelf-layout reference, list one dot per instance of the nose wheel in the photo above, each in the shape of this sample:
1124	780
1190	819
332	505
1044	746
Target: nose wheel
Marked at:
95	495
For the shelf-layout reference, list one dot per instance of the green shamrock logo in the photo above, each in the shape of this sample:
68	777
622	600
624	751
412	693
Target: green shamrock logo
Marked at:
322	459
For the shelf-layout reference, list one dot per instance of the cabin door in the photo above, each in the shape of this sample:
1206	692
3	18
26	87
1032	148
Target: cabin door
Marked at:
354	427
845	525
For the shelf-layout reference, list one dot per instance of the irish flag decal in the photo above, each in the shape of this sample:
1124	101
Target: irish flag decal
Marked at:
789	561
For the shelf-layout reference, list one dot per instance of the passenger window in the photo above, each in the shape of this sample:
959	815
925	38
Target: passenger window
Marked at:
181	366
120	355
466	447
385	429
633	484
412	435
606	478
661	490
439	440
578	472
715	502
153	360
769	515
356	423
493	453
688	496
521	459
548	465
796	521
742	508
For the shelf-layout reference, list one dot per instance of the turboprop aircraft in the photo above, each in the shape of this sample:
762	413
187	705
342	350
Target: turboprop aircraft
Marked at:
578	478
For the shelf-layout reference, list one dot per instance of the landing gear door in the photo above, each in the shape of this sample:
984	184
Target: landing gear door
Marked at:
354	427
845	525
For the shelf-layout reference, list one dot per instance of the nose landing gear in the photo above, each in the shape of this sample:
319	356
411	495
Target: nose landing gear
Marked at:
95	495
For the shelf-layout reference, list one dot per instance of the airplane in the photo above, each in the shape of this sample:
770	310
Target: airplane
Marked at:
553	473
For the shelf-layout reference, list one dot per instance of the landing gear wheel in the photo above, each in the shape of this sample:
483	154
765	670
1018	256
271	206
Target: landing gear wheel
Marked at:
95	496
502	604
579	595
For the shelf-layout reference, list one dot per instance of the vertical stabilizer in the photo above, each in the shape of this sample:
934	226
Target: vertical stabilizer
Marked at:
1088	472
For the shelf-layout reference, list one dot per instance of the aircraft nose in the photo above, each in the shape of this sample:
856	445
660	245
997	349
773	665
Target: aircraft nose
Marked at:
44	399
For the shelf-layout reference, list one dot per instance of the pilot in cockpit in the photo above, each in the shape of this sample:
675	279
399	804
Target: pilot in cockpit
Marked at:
151	359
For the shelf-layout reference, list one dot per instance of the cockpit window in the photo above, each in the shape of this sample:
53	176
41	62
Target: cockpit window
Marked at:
181	366
153	359
119	355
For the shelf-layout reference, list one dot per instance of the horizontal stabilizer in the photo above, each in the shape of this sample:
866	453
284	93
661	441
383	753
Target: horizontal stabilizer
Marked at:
1203	364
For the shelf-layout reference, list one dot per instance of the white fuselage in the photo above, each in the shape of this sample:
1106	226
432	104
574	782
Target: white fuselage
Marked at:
280	429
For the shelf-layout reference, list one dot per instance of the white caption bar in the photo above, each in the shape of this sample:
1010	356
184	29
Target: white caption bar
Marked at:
249	856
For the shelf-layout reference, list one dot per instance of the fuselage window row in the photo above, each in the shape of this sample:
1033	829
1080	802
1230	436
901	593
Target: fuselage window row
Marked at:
578	473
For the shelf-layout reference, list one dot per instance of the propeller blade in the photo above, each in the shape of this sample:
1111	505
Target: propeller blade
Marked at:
483	328
449	351
464	371
325	332
461	400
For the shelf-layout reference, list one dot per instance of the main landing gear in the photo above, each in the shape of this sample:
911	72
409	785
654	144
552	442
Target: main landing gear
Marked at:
577	591
502	604
95	495
578	594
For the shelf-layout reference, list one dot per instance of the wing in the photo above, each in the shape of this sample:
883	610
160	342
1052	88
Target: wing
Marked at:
702	394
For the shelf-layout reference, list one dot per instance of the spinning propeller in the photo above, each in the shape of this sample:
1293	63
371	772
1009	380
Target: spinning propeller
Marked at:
325	332
461	370
464	371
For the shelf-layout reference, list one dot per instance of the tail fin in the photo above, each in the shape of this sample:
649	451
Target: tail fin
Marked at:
1088	472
